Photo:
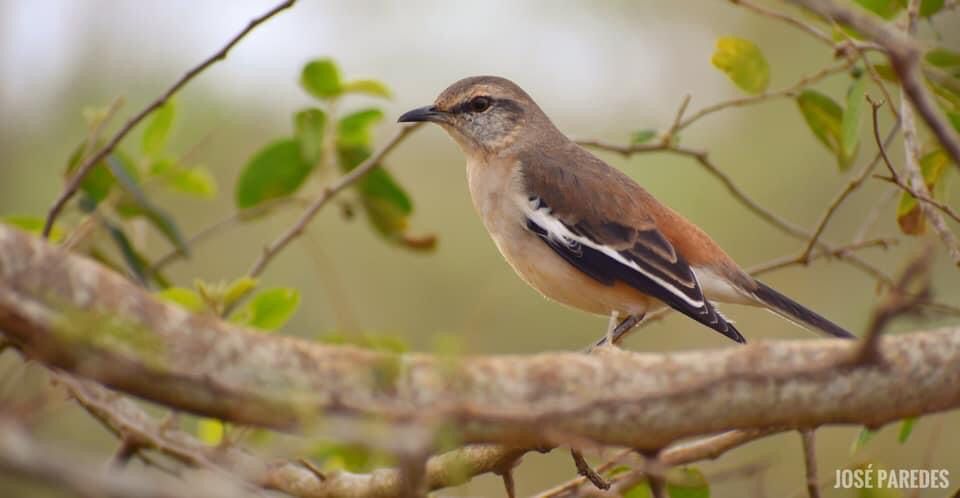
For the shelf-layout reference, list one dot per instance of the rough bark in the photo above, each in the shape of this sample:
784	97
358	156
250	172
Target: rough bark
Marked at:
73	314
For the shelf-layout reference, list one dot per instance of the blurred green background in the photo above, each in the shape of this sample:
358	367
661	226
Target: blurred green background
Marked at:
600	70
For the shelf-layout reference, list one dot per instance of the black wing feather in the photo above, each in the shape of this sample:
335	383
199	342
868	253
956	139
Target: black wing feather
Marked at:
655	255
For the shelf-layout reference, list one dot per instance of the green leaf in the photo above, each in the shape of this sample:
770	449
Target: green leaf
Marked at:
863	438
309	125
210	431
187	299
196	181
353	130
743	62
887	9
954	118
277	170
350	457
930	7
641	490
136	203
824	117
33	225
850	124
271	309
98	182
909	216
687	482
136	263
942	57
642	136
321	78
158	129
906	428
368	87
886	72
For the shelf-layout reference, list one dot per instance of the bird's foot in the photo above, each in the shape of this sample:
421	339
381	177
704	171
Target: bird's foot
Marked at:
616	331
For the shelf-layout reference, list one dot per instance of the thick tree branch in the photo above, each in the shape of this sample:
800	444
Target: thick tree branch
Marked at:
22	456
73	314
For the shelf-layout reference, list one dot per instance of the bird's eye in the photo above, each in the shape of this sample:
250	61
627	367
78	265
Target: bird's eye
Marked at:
480	104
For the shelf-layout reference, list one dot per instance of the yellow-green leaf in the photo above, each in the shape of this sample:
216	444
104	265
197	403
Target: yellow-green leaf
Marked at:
321	78
271	309
196	181
641	490
824	117
238	289
943	57
887	9
353	130
277	170
863	437
852	114
210	431
309	125
930	7
643	136
188	299
158	129
906	428
33	225
743	62
909	216
369	87
687	482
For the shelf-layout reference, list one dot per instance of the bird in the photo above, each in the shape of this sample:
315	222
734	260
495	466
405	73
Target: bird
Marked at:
582	232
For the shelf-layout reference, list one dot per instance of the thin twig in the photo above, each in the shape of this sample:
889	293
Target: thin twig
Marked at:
852	185
911	290
790	91
74	182
585	470
328	193
810	462
220	225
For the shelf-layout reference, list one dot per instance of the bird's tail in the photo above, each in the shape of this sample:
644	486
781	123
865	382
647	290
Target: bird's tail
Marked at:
793	311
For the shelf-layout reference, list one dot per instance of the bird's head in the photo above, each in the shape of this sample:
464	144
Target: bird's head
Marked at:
484	114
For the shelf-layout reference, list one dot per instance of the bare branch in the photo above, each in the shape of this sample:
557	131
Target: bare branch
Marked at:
74	183
855	183
790	91
585	470
21	456
810	462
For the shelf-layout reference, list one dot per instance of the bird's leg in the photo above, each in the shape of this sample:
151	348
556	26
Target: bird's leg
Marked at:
612	325
614	334
628	324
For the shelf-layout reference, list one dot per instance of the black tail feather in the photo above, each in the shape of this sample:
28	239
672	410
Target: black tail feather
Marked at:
793	311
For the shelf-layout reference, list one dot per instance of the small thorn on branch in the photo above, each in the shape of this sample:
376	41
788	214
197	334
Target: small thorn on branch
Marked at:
585	470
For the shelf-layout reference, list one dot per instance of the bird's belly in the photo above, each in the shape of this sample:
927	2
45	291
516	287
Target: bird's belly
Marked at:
540	267
496	200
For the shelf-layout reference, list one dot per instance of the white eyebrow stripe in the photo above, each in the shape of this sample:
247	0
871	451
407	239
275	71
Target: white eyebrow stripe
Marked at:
559	232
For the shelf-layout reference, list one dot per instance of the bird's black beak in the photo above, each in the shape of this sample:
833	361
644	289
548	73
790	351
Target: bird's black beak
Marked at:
425	113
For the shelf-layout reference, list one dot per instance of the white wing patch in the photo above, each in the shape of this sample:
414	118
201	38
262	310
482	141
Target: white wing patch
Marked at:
557	231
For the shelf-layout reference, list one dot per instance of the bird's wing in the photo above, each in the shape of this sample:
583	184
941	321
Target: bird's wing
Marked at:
593	216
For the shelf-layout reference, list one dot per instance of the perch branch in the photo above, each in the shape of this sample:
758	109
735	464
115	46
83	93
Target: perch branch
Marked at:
73	314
